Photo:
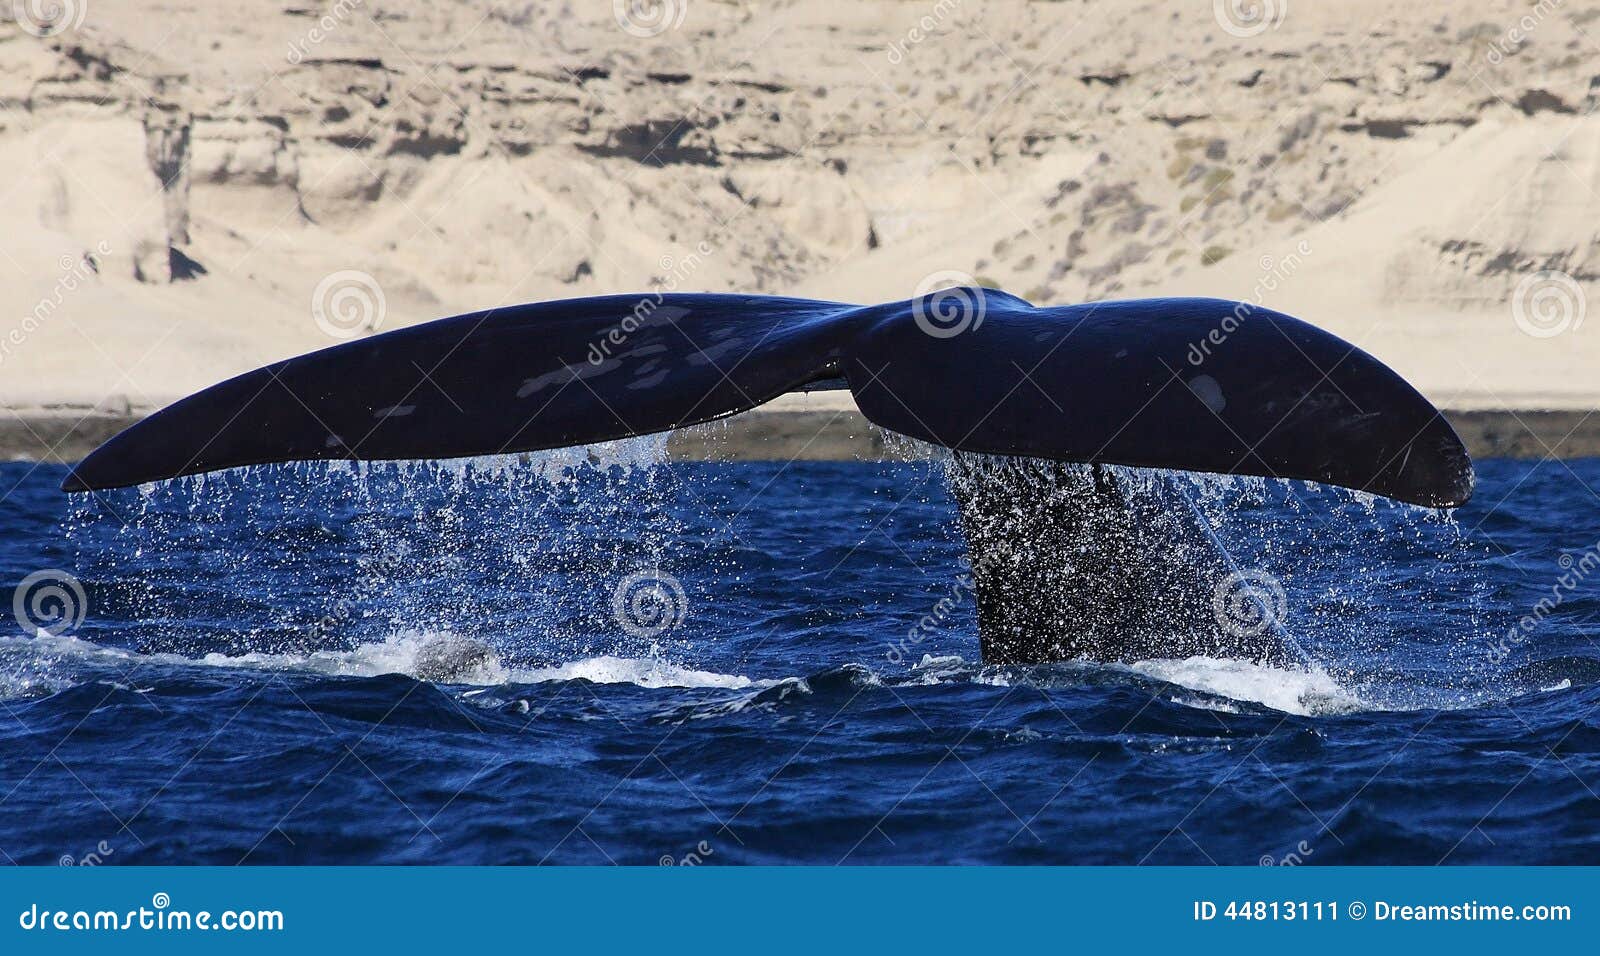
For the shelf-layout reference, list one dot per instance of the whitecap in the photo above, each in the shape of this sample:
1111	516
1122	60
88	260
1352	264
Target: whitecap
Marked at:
645	672
45	664
1310	692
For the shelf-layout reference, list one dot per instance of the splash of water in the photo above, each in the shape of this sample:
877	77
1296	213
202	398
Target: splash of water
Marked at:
377	549
1297	542
340	553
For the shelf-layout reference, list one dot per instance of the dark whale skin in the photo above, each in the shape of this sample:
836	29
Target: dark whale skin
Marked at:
1099	383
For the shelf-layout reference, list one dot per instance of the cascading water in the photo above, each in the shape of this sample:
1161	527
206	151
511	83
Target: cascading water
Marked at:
1079	561
529	557
345	554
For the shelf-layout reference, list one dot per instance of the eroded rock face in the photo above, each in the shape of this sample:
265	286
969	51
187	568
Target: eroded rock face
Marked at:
166	148
1187	151
88	177
1067	152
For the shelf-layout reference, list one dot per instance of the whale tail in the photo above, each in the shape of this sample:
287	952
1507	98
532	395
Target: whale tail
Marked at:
1193	384
1065	563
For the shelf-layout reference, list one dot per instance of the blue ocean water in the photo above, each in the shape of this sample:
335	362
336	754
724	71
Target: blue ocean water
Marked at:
601	656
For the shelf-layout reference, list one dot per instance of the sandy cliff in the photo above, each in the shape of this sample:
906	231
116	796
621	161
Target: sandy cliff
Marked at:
193	189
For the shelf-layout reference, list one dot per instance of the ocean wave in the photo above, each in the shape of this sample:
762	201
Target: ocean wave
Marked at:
45	664
1218	684
1308	693
644	672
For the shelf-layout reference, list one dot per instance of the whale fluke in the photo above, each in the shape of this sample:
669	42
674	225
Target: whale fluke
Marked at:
1193	384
